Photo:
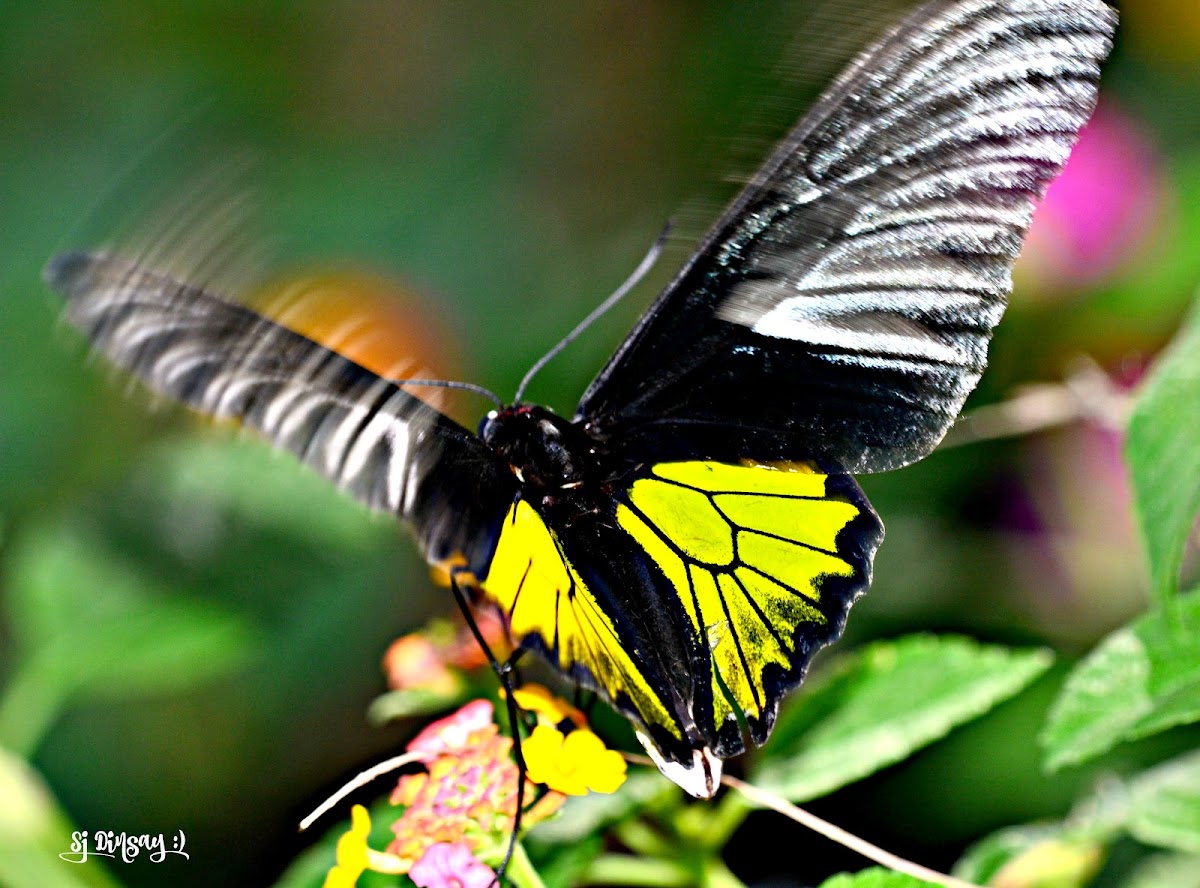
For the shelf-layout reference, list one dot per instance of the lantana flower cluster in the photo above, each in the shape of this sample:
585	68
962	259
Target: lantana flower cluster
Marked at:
469	792
461	810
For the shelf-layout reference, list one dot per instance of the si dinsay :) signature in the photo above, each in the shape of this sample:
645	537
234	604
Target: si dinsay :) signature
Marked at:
123	846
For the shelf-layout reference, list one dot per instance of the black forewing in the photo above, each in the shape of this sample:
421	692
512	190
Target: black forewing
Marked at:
388	449
841	307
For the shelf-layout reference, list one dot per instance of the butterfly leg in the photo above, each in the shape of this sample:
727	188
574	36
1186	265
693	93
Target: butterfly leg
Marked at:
584	700
505	672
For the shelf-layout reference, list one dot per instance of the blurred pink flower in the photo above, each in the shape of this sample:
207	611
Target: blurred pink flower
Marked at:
1076	555
1100	212
412	662
456	731
450	866
468	794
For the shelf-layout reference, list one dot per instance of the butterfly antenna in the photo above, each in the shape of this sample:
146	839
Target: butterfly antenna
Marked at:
453	384
638	273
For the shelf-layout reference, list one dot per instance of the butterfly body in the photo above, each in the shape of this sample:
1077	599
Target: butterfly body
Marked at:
547	454
647	579
692	536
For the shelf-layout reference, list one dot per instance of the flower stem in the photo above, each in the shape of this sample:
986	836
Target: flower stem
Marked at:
625	869
725	818
520	870
641	838
717	875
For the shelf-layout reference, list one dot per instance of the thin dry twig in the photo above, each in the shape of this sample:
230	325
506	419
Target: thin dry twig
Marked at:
846	839
360	780
1087	393
841	836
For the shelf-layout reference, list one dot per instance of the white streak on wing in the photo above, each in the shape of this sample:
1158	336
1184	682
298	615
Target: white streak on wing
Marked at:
398	465
954	379
178	362
364	443
882	277
903	303
413	478
920	242
814	321
99	303
300	413
133	333
1012	109
343	437
227	391
1012	218
280	408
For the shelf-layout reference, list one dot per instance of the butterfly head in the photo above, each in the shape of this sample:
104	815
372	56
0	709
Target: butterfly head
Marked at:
544	451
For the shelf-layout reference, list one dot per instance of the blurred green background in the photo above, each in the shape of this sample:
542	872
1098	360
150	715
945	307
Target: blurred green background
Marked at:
191	627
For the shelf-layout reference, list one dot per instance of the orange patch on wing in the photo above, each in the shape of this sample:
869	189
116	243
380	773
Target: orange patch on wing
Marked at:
367	318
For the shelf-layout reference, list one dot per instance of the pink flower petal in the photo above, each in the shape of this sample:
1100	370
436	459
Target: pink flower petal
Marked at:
454	731
1100	211
446	865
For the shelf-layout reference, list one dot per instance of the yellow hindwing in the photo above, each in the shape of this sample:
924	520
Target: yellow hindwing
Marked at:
544	596
746	548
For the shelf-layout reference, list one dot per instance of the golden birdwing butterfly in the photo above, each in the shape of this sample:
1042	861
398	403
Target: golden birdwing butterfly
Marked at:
690	538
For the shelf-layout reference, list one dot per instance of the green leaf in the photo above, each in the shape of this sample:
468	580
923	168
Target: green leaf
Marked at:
875	877
112	628
412	702
1069	849
1166	871
563	866
1035	856
52	586
1160	807
34	831
87	623
986	857
1138	681
164	647
1164	459
202	480
1166	805
1057	863
894	698
592	813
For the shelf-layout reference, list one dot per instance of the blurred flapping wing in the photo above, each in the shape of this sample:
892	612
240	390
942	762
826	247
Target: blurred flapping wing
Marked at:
382	445
841	307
